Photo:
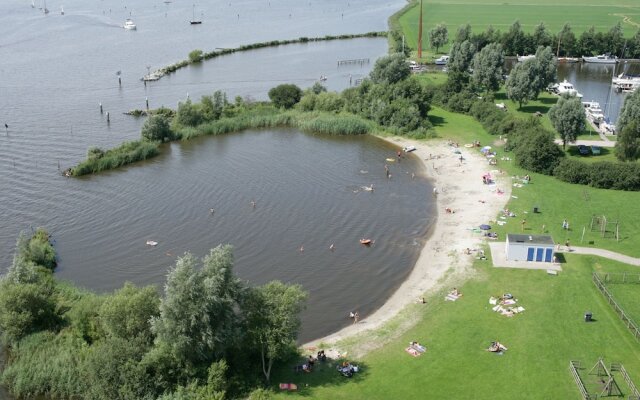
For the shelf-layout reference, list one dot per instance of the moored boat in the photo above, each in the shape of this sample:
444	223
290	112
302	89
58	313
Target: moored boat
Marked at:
129	25
152	243
568	60
525	58
443	60
409	149
365	241
601	59
565	87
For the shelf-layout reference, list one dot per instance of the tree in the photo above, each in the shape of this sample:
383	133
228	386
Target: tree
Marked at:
390	69
519	85
195	56
546	67
197	316
212	107
514	39
273	320
567	117
461	56
615	40
438	36
567	41
156	129
537	152
128	312
189	114
285	95
587	42
463	33
541	36
488	67
628	143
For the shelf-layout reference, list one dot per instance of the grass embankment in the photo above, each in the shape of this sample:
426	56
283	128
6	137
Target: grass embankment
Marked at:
541	341
127	153
481	13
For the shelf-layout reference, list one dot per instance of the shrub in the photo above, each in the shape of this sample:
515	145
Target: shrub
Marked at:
195	56
538	153
156	129
337	125
285	95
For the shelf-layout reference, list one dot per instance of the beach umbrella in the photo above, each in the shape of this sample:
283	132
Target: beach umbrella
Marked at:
486	148
485	227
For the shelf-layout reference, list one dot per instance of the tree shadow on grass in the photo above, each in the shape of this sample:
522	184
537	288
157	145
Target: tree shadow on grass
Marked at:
532	109
436	120
324	373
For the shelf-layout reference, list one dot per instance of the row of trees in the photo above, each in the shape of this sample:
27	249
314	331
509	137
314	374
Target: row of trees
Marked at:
209	336
517	42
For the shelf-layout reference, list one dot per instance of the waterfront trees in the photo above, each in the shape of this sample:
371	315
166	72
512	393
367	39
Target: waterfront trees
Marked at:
628	143
567	117
156	129
488	67
390	69
520	84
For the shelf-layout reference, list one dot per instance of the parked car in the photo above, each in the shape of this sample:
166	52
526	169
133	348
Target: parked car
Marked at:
584	150
595	150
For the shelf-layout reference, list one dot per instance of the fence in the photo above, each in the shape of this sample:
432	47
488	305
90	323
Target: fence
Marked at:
632	386
354	61
621	277
573	367
631	324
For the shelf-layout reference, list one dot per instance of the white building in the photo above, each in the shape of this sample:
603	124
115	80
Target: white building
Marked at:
529	248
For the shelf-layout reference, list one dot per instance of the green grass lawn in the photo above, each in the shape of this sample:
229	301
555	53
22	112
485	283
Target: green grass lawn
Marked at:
627	296
541	342
581	14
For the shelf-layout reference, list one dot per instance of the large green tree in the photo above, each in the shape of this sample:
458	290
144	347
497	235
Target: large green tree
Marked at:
461	57
514	40
390	69
488	67
128	312
567	117
273	320
463	33
628	126
520	84
156	128
285	95
545	68
438	36
541	36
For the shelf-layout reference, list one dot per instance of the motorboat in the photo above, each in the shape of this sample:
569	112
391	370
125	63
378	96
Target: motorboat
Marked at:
525	58
601	59
568	60
565	87
365	241
152	243
195	21
409	149
129	25
626	83
593	111
442	60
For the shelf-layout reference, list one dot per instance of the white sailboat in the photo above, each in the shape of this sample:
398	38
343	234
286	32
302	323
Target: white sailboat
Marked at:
61	10
33	3
195	21
44	7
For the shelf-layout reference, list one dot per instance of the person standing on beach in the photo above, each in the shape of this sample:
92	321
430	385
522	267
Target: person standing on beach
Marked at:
356	317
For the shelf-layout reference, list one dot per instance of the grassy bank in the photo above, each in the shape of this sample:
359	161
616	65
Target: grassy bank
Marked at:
127	153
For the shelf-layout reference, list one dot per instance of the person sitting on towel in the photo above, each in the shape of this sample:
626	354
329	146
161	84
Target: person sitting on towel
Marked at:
322	356
455	292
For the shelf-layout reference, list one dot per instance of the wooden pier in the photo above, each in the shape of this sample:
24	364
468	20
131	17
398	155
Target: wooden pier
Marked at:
354	61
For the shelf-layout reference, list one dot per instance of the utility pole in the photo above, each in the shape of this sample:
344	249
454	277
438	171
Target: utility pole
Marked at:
420	34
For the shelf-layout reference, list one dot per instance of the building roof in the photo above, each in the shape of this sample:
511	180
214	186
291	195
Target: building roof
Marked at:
531	239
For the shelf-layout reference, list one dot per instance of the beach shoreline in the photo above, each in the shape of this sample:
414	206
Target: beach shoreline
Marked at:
460	188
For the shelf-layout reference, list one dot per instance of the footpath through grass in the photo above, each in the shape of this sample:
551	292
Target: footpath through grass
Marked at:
541	341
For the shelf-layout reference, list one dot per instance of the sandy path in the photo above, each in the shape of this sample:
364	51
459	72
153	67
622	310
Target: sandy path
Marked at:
460	188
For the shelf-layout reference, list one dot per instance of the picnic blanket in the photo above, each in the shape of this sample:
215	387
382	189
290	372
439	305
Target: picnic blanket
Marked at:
413	351
288	386
452	297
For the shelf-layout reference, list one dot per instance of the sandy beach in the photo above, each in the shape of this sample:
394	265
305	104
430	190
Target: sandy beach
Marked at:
460	188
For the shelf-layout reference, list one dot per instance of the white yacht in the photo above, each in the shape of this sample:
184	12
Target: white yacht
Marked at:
626	83
601	59
129	25
525	58
442	60
593	111
565	87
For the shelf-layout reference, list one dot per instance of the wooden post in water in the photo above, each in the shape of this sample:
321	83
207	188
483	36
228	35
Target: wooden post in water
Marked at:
101	111
108	119
119	81
146	99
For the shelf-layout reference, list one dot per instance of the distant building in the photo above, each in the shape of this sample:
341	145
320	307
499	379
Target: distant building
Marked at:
529	248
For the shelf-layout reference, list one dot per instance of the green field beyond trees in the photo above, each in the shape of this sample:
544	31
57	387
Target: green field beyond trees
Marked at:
580	14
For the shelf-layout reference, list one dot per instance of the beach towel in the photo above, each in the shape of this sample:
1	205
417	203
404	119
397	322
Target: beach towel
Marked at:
413	351
418	348
451	297
497	308
520	309
288	386
502	222
493	301
509	302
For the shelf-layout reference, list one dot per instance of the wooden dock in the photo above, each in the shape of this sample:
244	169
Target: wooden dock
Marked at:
360	61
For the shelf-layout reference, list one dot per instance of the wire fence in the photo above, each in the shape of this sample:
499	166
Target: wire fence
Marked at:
620	278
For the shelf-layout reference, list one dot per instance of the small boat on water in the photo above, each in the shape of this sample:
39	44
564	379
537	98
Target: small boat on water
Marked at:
568	60
601	59
129	25
365	241
443	60
626	83
565	87
593	112
195	21
152	243
390	159
525	58
409	149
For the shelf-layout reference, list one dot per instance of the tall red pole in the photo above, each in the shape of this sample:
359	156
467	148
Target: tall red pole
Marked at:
420	34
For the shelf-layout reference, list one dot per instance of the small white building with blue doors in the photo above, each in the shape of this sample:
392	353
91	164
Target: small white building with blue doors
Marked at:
538	248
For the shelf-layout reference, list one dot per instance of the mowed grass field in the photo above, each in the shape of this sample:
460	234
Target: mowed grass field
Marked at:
627	296
581	14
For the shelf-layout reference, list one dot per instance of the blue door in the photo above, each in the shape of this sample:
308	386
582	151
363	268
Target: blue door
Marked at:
548	255
539	253
530	251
